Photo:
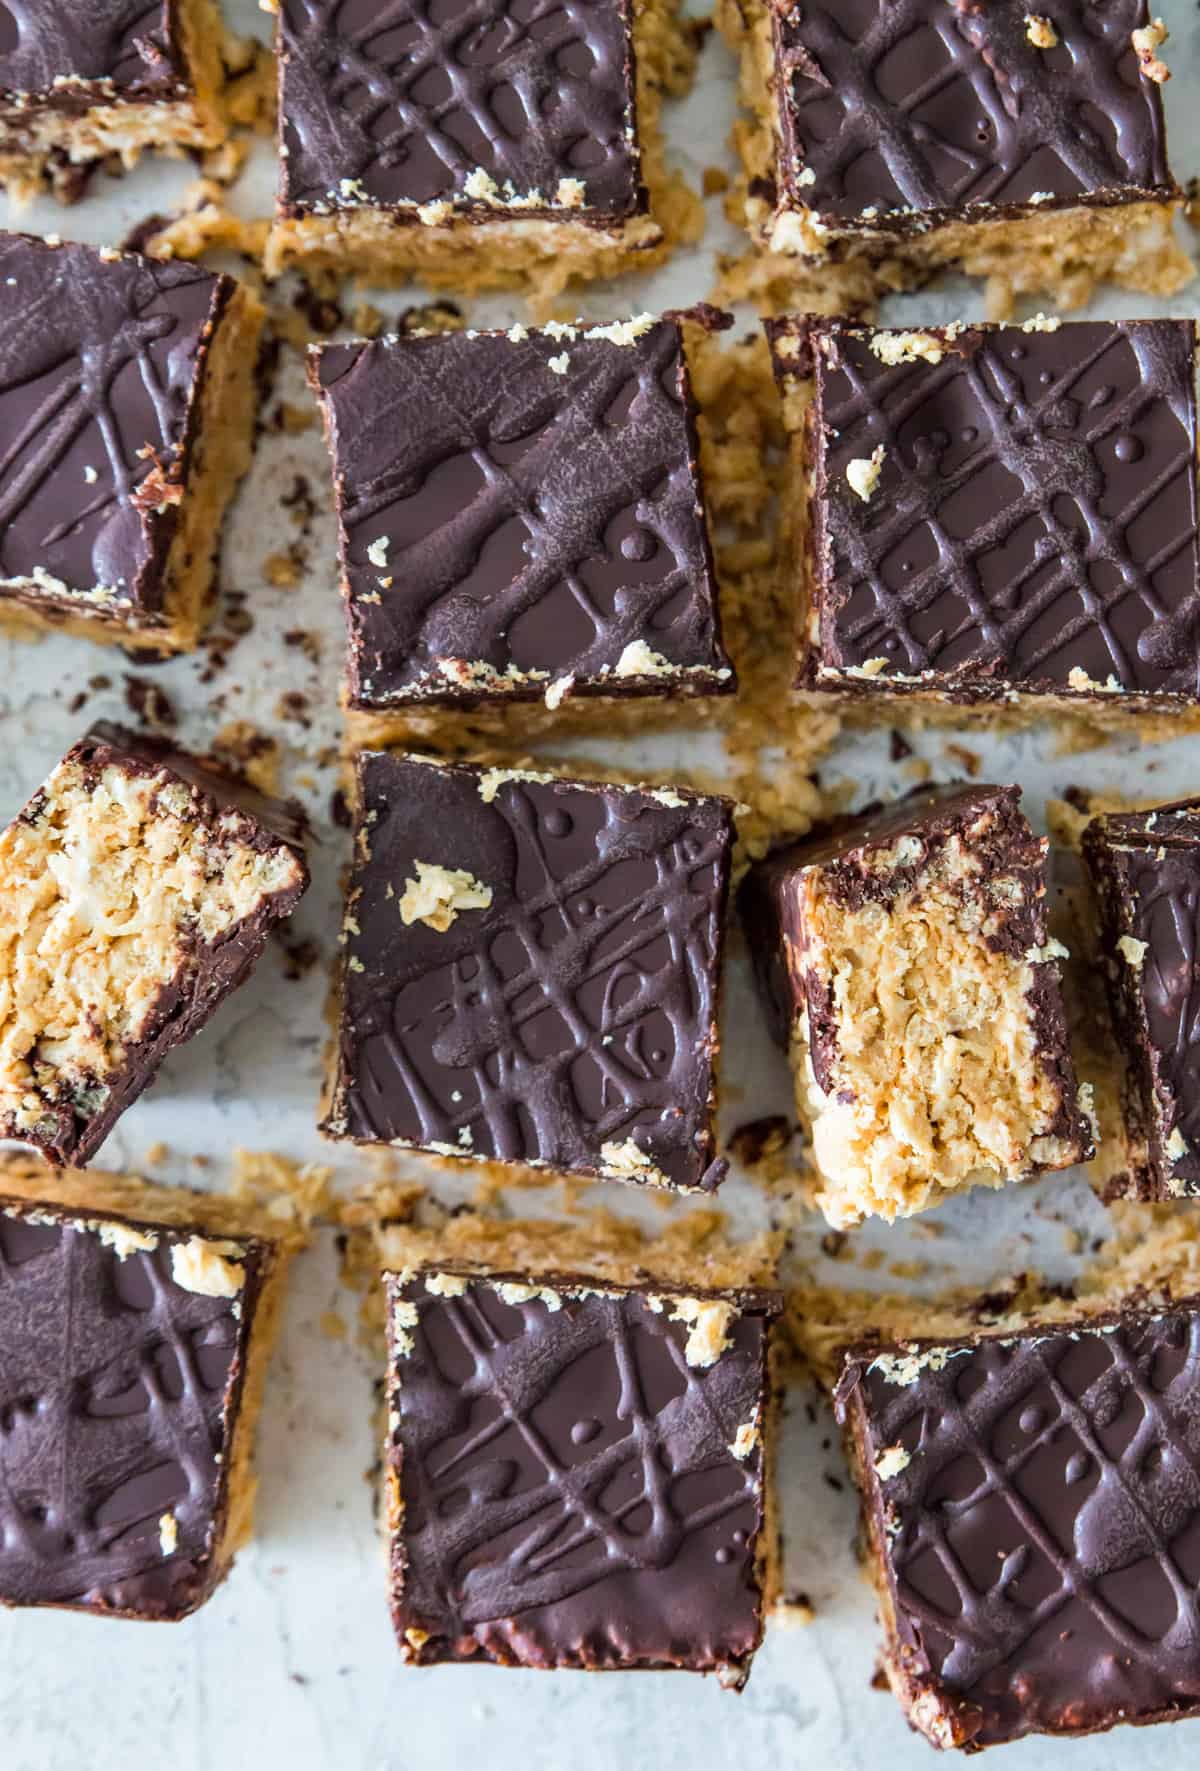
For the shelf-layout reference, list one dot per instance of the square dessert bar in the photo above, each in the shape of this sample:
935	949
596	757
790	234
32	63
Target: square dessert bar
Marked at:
577	1475
78	83
137	890
133	1351
477	143
1145	873
890	137
531	972
996	515
1032	1515
904	959
521	518
127	402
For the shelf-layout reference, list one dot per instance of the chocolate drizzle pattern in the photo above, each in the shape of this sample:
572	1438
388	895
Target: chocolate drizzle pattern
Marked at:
894	106
1035	514
117	1396
1146	866
401	104
128	45
577	1010
530	518
100	365
1043	1537
569	1496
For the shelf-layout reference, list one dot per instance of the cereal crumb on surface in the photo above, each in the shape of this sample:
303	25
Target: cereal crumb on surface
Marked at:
438	893
863	475
205	1268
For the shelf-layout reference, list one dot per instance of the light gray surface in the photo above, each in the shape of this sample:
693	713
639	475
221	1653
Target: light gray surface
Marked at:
292	1663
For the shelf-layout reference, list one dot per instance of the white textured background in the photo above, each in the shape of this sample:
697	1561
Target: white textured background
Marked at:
292	1663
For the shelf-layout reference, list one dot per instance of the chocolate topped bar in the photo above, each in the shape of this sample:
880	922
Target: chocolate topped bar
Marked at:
895	115
1033	1519
904	958
576	1473
67	54
137	890
531	971
118	376
1145	871
125	1349
499	106
521	516
1000	512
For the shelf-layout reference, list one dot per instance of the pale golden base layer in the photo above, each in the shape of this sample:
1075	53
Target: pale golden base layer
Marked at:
541	257
124	129
1061	254
221	456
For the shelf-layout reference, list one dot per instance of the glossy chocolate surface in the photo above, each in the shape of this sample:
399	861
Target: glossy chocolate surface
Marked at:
1034	523
535	502
896	112
569	1493
410	105
1042	1524
57	48
577	1011
100	366
118	1395
1146	870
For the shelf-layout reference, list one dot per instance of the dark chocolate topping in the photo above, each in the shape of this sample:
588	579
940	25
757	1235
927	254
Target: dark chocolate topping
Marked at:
570	1496
1035	514
1146	867
100	367
577	1010
1043	1540
920	106
118	1393
530	517
401	105
129	45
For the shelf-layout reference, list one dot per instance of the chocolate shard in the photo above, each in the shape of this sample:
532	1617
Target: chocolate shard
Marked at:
138	888
576	1473
125	1352
898	115
1001	512
509	110
1145	873
1032	1513
531	971
903	957
521	516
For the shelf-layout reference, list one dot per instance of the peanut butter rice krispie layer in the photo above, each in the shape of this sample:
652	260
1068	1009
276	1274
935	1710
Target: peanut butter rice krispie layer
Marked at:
609	1506
127	402
995	518
81	82
904	959
136	1341
137	890
1145	873
1032	1522
521	520
532	972
514	141
889	138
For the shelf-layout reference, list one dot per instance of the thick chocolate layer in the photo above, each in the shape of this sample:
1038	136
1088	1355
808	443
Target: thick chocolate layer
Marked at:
897	113
1145	869
129	49
119	1391
102	360
1033	525
565	1484
571	1021
75	1127
1033	1506
473	104
516	509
